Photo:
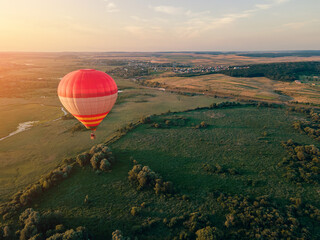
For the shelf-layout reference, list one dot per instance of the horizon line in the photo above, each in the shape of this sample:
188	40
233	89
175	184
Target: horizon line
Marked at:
182	51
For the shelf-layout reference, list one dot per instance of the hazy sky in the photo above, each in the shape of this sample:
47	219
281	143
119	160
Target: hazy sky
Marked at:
159	25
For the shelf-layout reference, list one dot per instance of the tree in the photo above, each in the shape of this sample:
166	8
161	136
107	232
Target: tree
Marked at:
135	211
203	124
209	233
86	199
117	235
105	165
301	156
95	161
83	159
7	232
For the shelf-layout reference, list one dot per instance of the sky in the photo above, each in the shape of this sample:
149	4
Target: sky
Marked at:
159	25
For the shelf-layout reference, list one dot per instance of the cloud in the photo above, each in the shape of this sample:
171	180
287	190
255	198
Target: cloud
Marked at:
139	19
299	25
111	7
198	24
190	13
263	6
280	1
195	23
168	10
269	5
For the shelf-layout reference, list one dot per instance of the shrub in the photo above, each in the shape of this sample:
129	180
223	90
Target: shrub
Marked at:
86	199
209	233
68	161
133	173
29	231
135	211
29	216
59	228
102	157
83	159
144	177
163	187
203	124
105	165
156	125
145	120
79	234
7	232
95	160
47	226
217	169
196	221
303	163
248	218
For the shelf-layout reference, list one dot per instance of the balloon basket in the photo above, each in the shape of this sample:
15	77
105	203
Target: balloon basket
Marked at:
92	135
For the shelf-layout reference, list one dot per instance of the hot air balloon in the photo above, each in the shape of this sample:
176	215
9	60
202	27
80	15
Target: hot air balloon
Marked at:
88	95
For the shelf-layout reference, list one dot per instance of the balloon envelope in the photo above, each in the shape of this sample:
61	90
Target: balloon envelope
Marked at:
88	95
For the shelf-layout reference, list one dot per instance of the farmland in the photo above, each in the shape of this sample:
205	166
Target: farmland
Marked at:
205	157
258	88
27	155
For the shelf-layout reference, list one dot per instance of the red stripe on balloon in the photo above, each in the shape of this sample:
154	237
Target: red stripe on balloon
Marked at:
91	125
88	116
93	120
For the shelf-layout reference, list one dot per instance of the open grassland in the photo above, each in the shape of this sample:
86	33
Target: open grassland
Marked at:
15	111
262	88
258	88
28	93
31	75
233	139
246	139
304	92
27	155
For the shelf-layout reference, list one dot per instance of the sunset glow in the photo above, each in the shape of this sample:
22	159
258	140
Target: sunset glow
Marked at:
141	25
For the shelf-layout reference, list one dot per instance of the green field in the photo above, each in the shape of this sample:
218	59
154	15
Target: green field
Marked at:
46	144
29	93
245	138
242	145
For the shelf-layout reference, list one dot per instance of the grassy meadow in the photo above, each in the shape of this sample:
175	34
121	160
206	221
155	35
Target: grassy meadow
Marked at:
258	88
24	157
246	139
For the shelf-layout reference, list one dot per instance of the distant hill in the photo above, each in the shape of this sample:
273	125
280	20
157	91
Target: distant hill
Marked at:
282	54
288	71
259	54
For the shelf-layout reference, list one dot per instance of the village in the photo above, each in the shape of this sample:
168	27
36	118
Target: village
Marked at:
139	68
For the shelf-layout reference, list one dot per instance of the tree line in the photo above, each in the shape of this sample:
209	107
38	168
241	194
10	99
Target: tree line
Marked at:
288	71
311	127
99	157
36	226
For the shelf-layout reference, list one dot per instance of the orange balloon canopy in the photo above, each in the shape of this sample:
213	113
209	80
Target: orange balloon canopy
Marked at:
88	95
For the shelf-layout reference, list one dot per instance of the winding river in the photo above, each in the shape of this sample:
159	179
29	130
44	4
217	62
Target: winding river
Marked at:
28	125
21	127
